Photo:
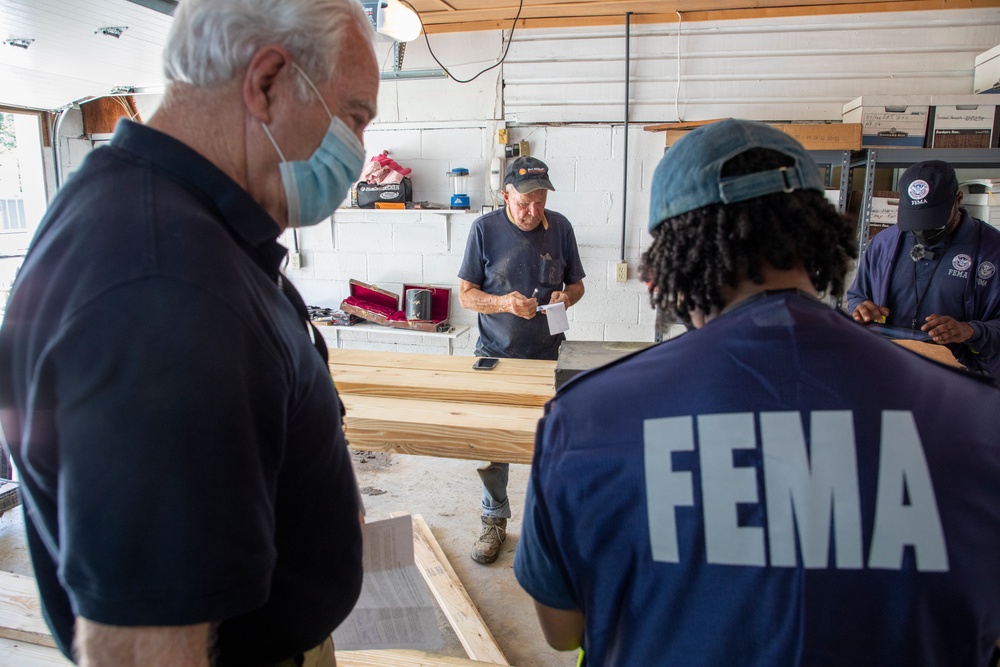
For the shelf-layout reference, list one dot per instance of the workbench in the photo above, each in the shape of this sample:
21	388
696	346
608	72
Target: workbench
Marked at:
438	405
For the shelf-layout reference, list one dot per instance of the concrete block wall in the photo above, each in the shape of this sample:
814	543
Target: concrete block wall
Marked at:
547	82
390	248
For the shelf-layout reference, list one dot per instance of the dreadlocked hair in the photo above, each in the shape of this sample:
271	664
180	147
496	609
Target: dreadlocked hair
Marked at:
696	253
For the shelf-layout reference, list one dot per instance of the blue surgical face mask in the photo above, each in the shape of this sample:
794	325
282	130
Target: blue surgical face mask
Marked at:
315	187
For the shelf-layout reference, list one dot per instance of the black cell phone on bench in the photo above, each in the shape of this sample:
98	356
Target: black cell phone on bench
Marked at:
486	363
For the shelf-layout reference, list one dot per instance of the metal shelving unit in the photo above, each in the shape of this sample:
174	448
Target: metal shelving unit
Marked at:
832	159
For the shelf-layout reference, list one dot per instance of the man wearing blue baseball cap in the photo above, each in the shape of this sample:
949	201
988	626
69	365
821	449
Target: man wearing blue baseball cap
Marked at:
515	259
777	486
935	270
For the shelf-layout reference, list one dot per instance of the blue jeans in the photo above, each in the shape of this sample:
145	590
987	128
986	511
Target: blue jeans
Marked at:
495	501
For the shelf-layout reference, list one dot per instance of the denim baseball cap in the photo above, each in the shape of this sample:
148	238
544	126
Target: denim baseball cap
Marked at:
528	174
690	177
927	193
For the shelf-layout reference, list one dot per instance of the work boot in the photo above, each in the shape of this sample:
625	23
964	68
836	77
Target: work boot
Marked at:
492	535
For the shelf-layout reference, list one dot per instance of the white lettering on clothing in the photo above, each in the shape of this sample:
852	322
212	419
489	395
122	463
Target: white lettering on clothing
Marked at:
810	491
666	488
902	473
958	274
723	486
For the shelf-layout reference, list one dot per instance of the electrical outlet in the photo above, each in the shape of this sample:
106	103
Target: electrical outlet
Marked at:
525	151
502	136
621	272
294	260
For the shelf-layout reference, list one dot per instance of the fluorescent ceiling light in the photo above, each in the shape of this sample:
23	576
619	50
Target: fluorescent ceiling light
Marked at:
112	31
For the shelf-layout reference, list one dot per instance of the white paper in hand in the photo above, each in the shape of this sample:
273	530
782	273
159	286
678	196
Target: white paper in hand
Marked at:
556	315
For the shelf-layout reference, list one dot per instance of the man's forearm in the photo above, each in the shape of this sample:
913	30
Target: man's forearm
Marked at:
481	302
99	645
575	292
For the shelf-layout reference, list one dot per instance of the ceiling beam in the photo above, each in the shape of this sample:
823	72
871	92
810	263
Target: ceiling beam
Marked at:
612	12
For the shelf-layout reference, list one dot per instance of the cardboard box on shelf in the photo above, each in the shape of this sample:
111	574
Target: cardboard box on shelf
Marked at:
824	136
964	121
890	122
885	206
987	72
980	200
813	136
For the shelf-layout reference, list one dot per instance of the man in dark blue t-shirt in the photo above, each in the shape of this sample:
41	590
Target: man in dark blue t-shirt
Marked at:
189	495
516	259
778	486
935	270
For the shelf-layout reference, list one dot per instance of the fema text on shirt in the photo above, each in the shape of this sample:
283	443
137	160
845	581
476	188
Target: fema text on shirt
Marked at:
803	492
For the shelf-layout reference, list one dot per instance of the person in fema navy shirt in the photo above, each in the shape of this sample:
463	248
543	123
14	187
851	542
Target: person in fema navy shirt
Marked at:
934	271
777	486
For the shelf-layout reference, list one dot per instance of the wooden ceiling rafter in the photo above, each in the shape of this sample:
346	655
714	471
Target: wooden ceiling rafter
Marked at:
612	12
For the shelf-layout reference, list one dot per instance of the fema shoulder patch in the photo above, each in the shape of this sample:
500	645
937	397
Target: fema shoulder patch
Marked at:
986	270
962	262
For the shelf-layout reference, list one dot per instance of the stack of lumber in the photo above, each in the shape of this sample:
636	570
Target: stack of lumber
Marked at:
25	640
438	405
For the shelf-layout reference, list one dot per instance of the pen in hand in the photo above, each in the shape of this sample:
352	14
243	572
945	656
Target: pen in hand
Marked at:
535	293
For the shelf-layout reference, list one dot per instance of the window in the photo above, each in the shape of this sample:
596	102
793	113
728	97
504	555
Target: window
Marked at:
22	190
12	215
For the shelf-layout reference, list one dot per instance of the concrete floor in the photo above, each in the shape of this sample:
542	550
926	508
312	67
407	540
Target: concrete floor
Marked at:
447	493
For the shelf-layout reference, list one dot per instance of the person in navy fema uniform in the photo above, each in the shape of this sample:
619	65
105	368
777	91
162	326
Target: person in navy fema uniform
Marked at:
778	486
935	270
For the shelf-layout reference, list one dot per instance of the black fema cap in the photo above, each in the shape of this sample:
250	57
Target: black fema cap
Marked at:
926	196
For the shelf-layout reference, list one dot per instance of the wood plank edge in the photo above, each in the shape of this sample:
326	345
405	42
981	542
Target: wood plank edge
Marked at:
467	623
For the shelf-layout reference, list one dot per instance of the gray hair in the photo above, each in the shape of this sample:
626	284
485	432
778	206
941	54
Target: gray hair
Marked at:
212	41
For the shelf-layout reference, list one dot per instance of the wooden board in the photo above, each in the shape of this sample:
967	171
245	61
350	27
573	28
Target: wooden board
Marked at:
23	654
21	612
25	640
933	351
454	600
479	387
402	659
479	432
341	359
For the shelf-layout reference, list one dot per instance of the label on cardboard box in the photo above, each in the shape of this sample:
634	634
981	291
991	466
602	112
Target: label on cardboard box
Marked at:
884	210
895	123
894	128
964	126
